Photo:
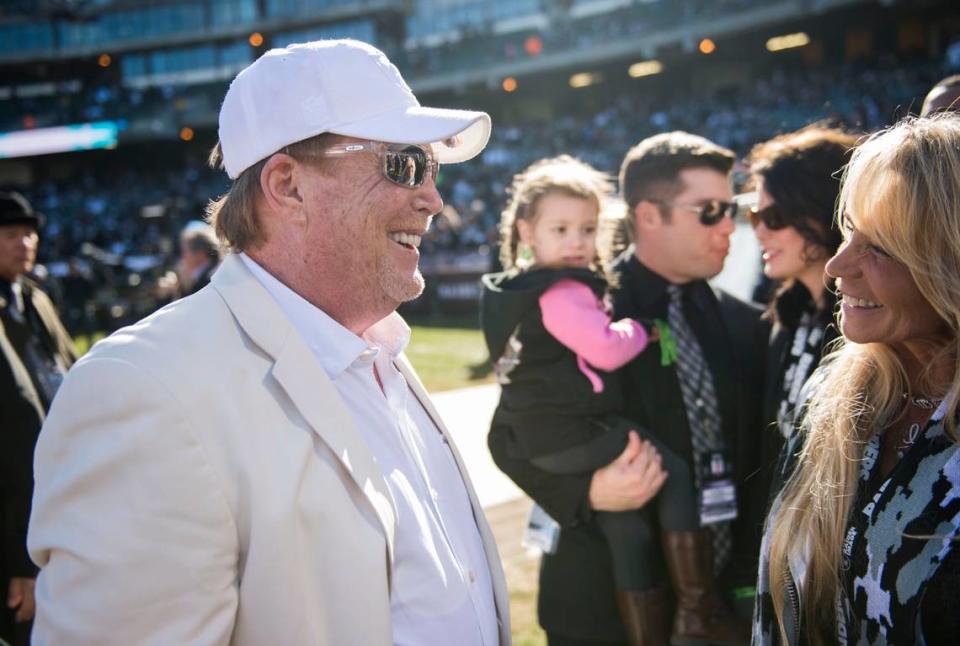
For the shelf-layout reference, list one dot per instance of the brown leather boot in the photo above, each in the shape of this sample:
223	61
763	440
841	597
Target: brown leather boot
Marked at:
702	615
644	614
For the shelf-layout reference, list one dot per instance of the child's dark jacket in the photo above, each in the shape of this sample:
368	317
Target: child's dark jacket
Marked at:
547	402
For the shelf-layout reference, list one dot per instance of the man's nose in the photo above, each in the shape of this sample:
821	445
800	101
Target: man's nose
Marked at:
727	226
428	197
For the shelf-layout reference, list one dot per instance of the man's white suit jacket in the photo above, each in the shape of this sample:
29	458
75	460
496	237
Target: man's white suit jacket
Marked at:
200	481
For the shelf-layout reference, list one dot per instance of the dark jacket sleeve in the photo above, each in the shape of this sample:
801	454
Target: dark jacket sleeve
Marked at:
749	335
565	498
20	422
54	327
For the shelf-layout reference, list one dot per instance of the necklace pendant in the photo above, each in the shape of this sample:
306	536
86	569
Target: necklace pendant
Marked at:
925	403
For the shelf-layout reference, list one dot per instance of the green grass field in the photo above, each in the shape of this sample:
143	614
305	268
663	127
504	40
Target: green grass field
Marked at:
83	342
449	354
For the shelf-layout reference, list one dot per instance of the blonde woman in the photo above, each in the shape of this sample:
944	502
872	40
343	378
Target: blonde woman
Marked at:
861	546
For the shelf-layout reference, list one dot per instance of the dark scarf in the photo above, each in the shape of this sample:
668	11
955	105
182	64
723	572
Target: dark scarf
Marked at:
812	329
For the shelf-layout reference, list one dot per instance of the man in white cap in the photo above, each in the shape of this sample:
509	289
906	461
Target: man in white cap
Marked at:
259	464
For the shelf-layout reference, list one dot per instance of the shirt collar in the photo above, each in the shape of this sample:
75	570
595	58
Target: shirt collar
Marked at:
650	288
334	346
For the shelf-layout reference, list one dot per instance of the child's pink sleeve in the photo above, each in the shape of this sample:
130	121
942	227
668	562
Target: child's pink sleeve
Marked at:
575	317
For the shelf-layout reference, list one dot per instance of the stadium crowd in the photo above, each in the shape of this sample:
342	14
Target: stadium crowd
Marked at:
262	432
99	214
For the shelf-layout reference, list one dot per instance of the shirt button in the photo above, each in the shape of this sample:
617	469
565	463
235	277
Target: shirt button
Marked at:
473	577
434	495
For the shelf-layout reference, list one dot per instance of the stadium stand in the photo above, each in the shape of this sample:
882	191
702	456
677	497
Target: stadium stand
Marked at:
157	69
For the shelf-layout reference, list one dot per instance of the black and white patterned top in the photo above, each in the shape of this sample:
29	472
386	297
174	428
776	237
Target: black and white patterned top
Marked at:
903	528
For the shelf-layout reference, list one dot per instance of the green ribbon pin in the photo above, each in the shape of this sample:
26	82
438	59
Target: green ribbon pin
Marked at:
668	343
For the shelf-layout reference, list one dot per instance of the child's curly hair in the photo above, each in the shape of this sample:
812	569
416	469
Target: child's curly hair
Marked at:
564	174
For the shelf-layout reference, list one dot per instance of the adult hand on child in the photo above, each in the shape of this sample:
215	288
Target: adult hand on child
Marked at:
630	481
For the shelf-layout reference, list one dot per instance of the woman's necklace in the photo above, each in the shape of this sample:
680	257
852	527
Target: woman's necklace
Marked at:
926	403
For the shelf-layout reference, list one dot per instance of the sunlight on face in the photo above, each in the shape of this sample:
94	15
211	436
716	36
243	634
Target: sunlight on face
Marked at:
880	300
563	232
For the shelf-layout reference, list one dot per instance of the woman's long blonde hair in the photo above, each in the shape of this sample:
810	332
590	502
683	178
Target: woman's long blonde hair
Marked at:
902	187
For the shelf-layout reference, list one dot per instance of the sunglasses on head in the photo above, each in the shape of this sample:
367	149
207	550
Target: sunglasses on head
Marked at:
770	215
408	165
711	212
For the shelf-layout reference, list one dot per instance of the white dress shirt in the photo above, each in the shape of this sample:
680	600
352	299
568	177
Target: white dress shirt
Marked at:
441	591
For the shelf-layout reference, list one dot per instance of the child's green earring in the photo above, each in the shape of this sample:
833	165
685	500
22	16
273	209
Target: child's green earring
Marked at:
524	254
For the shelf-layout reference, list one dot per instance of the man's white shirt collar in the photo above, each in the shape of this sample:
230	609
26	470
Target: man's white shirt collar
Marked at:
336	347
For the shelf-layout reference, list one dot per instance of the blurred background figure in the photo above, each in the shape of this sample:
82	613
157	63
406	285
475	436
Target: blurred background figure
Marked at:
944	96
199	256
797	179
77	290
35	353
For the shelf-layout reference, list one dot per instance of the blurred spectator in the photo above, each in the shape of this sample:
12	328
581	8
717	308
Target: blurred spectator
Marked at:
77	288
100	208
199	256
944	96
35	353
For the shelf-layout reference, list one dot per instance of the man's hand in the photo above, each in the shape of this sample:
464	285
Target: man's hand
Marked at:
630	481
20	596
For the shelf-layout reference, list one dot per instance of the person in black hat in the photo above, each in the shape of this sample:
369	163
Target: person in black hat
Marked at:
35	353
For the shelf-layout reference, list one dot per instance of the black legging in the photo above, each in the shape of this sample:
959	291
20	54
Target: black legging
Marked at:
631	538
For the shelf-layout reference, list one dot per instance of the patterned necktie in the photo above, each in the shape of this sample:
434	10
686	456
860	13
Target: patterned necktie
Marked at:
703	413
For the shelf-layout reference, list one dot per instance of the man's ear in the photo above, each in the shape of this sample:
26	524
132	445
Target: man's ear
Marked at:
525	232
279	184
646	216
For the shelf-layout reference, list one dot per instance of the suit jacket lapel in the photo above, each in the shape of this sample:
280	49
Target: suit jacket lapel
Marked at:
303	379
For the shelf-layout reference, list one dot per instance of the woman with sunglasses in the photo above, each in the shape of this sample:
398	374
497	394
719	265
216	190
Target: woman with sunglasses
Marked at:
796	178
862	545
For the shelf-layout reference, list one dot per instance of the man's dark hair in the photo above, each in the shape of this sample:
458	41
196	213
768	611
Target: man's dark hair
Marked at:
950	81
651	169
942	97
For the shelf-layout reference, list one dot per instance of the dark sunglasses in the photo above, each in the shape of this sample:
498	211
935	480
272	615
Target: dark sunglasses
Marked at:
408	165
770	215
711	212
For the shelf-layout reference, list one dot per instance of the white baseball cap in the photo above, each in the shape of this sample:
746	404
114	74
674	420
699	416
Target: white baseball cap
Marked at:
344	87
